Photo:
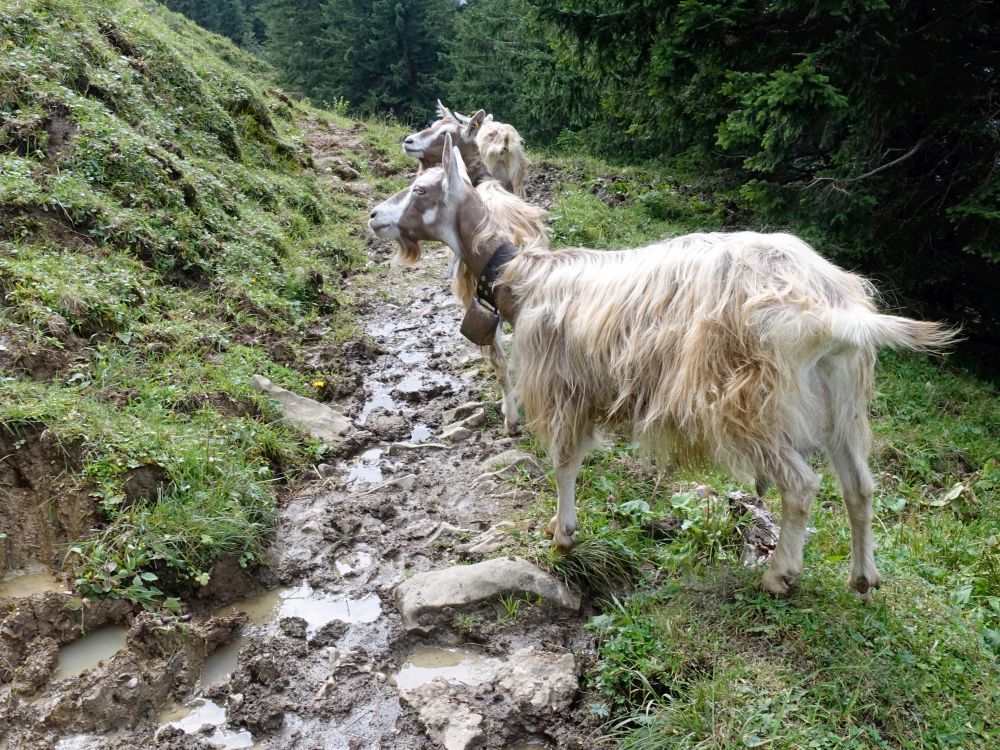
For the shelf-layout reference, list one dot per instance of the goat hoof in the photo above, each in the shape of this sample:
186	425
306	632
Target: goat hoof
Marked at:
776	584
550	529
564	544
864	583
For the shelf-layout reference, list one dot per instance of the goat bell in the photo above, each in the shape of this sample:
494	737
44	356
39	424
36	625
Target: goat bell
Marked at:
480	324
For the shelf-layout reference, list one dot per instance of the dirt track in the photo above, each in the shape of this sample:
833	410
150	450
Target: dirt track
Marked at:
315	663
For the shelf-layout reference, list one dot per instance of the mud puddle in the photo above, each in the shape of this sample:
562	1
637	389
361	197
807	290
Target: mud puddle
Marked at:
194	716
87	652
450	664
33	579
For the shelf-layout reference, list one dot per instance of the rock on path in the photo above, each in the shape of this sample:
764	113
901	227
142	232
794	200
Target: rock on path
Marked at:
425	595
312	417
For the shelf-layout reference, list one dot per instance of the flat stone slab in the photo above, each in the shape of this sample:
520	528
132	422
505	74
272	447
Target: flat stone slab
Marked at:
509	460
311	417
422	596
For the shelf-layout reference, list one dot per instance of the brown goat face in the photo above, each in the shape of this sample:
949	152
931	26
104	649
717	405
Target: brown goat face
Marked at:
427	210
427	146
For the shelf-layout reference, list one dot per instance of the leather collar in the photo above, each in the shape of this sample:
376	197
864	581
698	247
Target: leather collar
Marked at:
482	177
492	271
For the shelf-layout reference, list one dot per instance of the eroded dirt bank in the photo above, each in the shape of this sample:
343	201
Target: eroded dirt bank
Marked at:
314	653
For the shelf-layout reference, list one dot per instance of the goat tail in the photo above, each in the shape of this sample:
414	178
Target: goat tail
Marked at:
871	330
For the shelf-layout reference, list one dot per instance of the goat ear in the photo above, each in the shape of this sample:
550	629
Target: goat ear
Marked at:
463	119
454	167
469	132
447	157
442	111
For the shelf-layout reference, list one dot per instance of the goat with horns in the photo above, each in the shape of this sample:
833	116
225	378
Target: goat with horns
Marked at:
744	350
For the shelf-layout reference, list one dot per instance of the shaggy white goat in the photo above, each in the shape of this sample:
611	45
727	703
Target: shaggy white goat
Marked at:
524	223
502	152
748	351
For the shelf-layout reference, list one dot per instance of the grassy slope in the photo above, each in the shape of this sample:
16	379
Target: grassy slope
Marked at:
695	655
162	238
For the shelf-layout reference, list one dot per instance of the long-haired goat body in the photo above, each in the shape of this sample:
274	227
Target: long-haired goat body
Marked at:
749	351
706	346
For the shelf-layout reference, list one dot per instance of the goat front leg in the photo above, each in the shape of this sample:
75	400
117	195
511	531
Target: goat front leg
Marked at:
498	361
562	527
798	485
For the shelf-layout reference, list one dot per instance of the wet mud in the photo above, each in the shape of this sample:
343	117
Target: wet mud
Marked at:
310	652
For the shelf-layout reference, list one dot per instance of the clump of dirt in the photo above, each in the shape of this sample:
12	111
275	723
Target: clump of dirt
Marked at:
143	484
543	180
22	352
29	624
60	130
43	506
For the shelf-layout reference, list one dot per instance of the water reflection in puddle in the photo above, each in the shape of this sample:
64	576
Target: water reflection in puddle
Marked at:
354	562
380	399
452	664
192	716
410	384
86	652
220	664
529	745
420	432
368	469
33	579
76	742
412	358
315	608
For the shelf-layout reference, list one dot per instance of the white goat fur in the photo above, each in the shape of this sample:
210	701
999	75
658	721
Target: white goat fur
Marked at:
503	154
747	351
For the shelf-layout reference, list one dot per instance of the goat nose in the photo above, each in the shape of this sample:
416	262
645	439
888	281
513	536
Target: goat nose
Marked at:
409	141
374	212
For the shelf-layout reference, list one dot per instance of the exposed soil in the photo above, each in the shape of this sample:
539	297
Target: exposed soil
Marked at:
33	474
312	664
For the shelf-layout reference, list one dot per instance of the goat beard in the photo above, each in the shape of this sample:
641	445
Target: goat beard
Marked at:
409	252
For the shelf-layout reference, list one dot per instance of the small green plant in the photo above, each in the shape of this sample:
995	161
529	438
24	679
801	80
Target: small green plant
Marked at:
511	607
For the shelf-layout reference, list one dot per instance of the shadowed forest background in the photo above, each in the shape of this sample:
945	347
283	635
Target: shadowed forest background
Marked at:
871	128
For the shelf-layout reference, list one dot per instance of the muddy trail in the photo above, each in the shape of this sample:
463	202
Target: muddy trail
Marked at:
388	617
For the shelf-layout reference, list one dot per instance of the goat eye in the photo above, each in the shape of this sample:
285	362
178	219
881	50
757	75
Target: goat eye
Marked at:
419	190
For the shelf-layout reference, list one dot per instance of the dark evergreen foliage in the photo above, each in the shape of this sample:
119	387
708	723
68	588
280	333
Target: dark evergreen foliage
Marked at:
227	17
871	127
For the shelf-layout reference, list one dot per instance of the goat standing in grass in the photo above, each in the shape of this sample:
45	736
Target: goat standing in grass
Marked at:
524	223
745	350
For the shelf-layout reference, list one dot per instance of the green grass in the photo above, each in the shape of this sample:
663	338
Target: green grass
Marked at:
162	239
692	654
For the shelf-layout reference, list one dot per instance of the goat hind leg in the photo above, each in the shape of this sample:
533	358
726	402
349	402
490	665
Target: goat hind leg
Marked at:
798	485
858	487
562	527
